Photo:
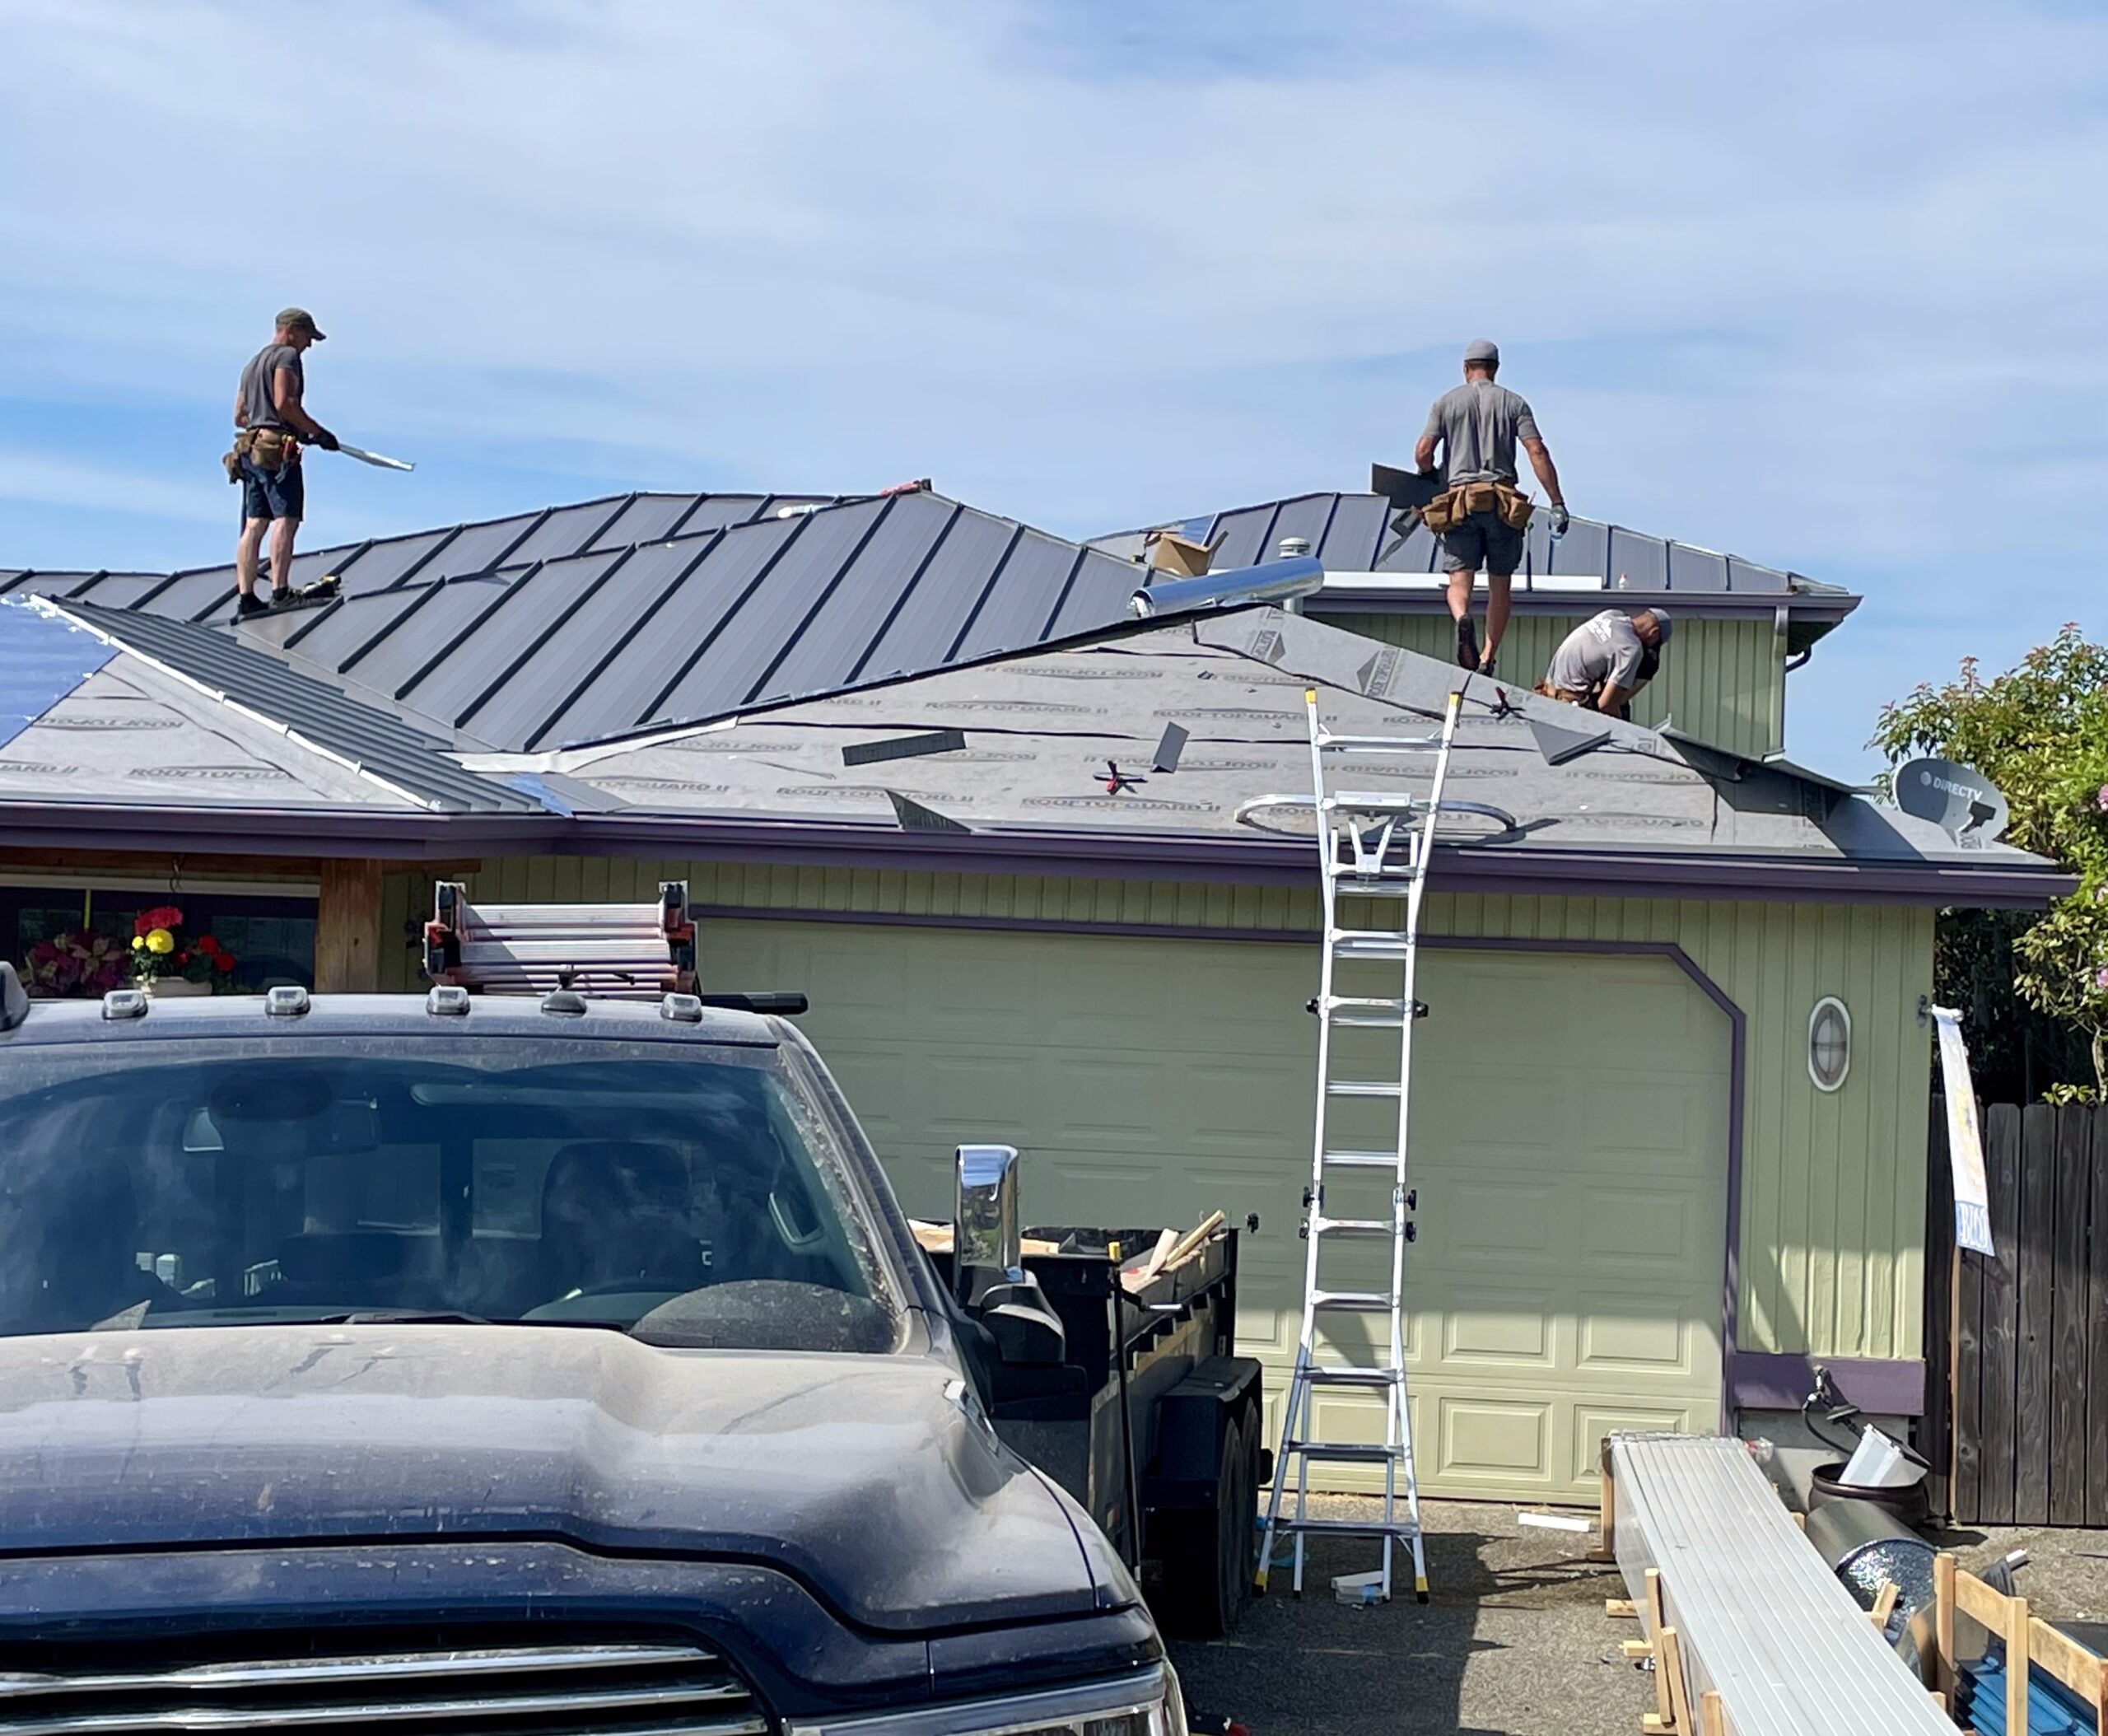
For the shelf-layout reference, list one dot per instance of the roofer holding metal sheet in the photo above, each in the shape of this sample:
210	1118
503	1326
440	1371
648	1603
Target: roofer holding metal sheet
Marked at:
1481	515
1607	659
270	422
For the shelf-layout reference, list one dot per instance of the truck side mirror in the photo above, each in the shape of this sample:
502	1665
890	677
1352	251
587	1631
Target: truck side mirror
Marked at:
988	1260
987	1246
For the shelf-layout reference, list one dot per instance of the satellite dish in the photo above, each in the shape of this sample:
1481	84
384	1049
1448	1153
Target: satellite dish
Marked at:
1959	800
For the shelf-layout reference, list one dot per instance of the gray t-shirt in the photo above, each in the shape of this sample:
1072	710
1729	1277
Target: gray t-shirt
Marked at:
258	380
1604	648
1478	424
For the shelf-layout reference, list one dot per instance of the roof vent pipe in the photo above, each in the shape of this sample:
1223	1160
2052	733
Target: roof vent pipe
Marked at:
1277	581
1293	548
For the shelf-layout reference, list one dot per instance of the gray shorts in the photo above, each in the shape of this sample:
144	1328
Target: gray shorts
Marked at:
1482	540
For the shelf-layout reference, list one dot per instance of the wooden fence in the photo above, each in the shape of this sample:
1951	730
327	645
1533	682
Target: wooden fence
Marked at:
2017	1431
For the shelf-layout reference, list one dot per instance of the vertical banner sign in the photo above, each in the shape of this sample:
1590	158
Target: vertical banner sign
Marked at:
1965	1142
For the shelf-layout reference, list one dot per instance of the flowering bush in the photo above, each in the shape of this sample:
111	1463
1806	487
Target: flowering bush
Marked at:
158	951
76	964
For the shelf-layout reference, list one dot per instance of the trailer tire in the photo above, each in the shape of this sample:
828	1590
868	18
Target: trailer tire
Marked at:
1206	1552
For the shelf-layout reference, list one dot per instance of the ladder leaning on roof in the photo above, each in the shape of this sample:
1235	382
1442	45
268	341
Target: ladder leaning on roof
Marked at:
1375	846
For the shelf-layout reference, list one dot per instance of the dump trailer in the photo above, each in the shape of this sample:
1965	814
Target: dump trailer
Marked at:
1149	1412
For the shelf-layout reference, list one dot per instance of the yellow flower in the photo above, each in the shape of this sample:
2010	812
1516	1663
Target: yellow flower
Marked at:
160	939
139	943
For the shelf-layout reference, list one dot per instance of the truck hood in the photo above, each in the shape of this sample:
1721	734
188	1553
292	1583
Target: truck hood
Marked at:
872	1479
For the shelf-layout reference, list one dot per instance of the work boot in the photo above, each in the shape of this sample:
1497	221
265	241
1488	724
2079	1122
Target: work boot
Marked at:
249	605
1468	644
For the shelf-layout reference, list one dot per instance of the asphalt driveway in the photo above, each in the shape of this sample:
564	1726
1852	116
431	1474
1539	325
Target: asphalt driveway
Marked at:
1514	1639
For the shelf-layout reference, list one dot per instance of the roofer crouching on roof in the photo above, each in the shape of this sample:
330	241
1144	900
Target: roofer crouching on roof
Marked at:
1481	515
1607	660
270	422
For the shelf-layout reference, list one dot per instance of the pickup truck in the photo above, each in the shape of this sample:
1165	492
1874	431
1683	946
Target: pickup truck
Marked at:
478	1363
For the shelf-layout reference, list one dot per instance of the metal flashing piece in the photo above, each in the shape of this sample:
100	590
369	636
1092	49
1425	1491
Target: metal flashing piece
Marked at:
1760	1619
1559	744
1168	750
903	747
914	817
1274	581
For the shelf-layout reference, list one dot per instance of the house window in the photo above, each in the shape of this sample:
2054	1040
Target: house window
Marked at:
1830	1043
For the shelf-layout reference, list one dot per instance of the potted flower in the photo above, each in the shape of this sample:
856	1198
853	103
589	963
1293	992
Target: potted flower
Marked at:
163	963
76	965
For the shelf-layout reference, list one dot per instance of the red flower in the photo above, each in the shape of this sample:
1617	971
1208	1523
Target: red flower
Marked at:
182	958
162	915
207	945
222	961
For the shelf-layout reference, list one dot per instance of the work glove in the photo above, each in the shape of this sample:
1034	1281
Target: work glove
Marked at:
324	438
1560	521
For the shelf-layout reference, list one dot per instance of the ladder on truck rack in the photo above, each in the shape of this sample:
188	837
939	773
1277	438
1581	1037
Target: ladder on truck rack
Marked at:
629	952
1371	846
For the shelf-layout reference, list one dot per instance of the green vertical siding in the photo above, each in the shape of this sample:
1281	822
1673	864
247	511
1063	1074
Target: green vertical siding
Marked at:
1833	1186
1723	681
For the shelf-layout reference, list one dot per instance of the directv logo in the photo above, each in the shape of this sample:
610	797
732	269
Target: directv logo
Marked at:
1951	789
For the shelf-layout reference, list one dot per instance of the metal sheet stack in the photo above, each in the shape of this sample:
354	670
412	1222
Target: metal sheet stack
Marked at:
1760	1619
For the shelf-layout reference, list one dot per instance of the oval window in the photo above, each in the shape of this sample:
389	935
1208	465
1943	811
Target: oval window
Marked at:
1830	1043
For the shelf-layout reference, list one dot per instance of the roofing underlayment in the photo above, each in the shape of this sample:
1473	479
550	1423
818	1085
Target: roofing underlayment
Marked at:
1053	755
174	715
583	621
1046	732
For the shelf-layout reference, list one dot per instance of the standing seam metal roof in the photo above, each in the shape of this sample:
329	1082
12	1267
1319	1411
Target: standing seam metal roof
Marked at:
588	621
1354	533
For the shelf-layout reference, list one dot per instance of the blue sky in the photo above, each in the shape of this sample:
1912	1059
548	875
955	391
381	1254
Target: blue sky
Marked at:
1820	285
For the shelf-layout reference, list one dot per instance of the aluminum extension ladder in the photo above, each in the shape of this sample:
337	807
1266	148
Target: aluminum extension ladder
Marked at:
1370	845
631	952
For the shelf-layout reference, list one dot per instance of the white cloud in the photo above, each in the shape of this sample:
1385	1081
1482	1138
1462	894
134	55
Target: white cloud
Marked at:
1817	284
35	479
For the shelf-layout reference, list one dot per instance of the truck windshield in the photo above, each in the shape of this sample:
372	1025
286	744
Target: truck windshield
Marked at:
689	1196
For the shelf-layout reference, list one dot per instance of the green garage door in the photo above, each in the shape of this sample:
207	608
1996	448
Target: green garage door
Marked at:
1569	1127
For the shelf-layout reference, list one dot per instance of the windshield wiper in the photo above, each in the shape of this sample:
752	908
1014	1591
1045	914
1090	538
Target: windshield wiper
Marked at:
397	1316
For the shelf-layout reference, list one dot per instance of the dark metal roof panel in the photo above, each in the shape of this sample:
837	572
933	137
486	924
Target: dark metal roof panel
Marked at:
567	530
735	658
830	645
532	695
398	659
1746	575
388	561
920	634
1098	596
1360	526
1306	518
117	589
645	520
1243	534
531	609
655	661
334	636
479	547
1023	597
1636	562
188	594
372	739
1696	569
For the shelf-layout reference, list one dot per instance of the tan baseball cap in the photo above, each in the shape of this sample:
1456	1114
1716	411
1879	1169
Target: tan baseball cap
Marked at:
296	318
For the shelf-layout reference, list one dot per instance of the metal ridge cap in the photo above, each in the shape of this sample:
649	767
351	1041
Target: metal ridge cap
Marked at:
1424	596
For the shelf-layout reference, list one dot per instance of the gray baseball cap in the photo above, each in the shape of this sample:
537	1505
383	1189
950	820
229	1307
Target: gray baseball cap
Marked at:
1662	620
299	319
1482	349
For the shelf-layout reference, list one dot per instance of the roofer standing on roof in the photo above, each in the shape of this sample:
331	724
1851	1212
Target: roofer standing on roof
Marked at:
1480	516
1607	659
270	422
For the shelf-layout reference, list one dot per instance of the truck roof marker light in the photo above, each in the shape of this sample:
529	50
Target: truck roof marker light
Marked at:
287	1000
447	1001
565	1003
682	1009
125	1003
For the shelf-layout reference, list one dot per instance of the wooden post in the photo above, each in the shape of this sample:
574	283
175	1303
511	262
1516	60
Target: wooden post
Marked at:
1712	1721
348	929
2017	1667
1669	1687
1944	1621
1606	1549
1884	1604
